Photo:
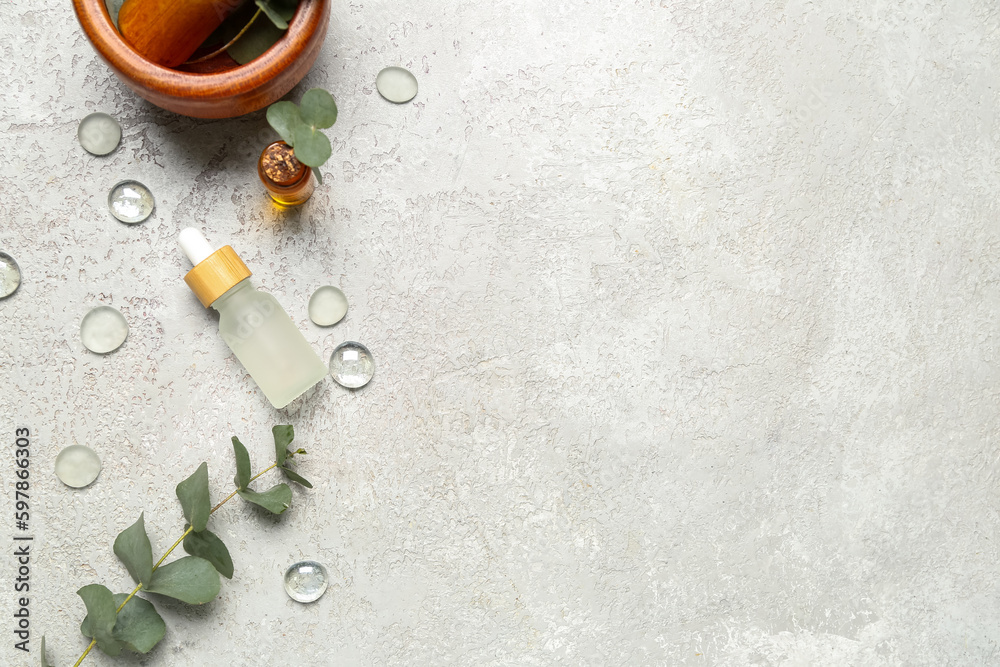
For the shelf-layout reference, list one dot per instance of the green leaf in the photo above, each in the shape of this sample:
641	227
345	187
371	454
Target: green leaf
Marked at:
283	436
279	12
139	626
193	494
45	661
319	176
284	118
207	545
296	477
259	37
189	579
99	622
275	17
312	148
318	108
275	500
242	464
132	548
114	6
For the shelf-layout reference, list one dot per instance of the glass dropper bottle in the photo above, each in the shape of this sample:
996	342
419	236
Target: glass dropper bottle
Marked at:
253	324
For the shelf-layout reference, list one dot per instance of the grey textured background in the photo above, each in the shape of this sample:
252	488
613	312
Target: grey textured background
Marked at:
684	315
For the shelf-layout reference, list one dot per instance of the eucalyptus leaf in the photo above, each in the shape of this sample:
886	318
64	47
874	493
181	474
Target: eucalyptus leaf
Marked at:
300	128
318	108
193	494
259	37
45	660
283	436
114	6
207	545
275	500
279	11
284	117
276	20
242	464
286	8
232	26
99	622
296	477
139	627
189	579
133	549
312	148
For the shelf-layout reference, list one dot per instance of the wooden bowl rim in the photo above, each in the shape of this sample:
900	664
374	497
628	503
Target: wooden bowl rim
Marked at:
96	23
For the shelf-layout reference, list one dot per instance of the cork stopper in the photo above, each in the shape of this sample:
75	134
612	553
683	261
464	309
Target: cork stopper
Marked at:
216	274
278	163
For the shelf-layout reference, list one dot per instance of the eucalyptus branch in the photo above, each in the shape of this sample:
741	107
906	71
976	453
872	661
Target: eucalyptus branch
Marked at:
229	43
226	499
299	126
193	579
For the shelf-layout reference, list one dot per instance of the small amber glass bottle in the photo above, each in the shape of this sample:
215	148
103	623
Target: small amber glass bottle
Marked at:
288	181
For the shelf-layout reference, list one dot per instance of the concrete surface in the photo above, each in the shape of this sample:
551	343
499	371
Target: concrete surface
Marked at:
684	315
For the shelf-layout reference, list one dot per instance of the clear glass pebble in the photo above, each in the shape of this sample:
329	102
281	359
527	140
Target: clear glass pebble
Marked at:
327	306
99	133
103	330
396	84
78	466
131	202
10	275
306	581
352	365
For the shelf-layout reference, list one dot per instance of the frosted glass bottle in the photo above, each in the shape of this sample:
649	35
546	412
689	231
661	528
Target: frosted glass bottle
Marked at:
252	323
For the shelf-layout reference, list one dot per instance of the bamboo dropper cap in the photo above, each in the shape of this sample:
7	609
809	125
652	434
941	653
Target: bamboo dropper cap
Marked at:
215	272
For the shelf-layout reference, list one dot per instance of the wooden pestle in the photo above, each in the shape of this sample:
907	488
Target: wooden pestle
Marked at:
167	32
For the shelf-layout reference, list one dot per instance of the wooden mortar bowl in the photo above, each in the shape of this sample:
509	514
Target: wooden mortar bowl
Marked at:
233	91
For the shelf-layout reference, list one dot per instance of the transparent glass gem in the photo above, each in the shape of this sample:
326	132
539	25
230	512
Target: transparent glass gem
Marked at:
352	365
327	306
10	275
78	466
103	330
131	202
396	84
306	581
99	133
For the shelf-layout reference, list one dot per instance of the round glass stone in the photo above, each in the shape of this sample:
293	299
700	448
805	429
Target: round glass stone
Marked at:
396	84
131	202
306	581
77	466
103	330
99	133
352	365
327	306
10	275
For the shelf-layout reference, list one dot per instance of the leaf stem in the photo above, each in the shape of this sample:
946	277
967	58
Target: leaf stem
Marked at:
93	643
172	547
168	552
226	499
228	44
130	596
